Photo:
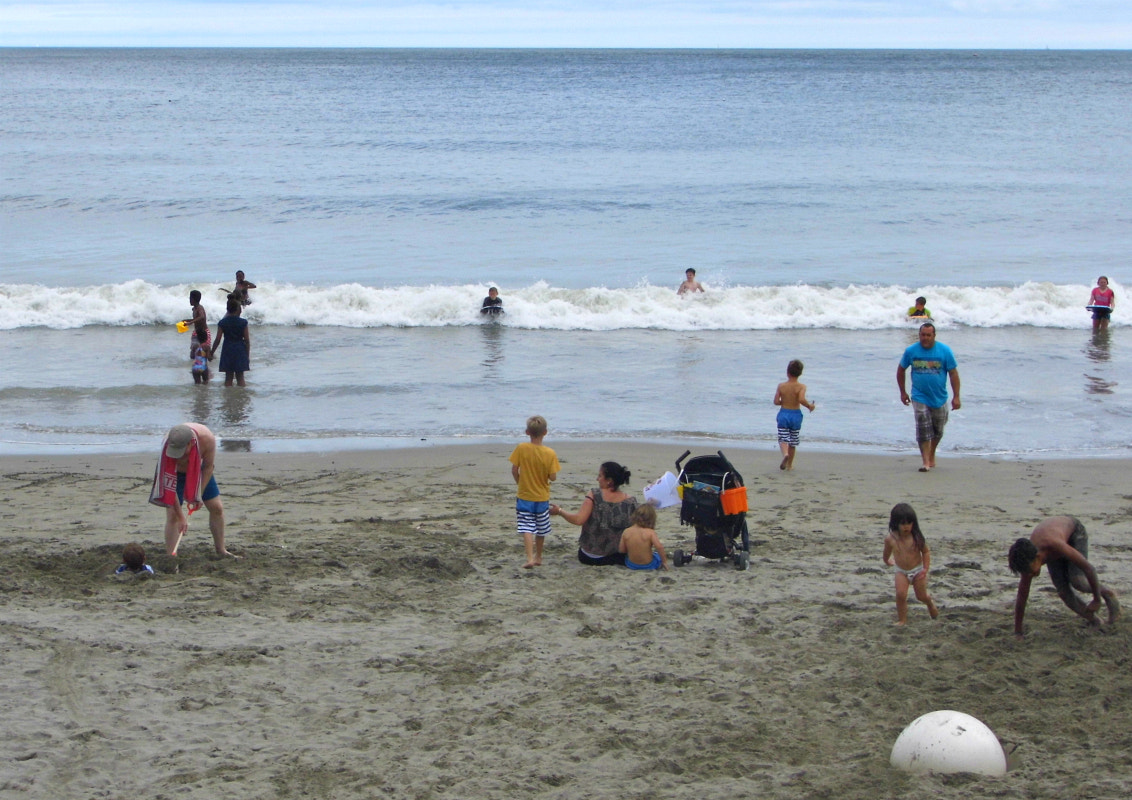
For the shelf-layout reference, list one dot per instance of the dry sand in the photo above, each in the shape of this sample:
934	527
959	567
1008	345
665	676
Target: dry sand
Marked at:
380	638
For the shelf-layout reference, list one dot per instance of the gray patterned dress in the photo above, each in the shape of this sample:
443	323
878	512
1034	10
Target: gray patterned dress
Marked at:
601	533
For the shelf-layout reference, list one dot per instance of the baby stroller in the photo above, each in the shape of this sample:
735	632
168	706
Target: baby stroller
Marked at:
714	501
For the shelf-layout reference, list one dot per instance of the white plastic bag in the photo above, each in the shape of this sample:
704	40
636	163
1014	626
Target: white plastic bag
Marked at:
662	492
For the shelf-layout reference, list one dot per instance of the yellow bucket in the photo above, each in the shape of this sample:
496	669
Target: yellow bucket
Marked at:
182	326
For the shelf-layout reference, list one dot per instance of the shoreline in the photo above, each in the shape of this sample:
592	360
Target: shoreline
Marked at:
319	447
380	635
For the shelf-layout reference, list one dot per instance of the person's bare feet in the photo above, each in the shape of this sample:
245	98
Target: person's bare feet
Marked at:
530	565
783	464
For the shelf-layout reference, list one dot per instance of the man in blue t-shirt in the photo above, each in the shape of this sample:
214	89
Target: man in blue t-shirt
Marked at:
933	365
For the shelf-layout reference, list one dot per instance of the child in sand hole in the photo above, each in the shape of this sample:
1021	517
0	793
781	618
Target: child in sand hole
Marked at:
905	549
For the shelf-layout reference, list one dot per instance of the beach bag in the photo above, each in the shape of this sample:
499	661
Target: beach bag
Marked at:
701	506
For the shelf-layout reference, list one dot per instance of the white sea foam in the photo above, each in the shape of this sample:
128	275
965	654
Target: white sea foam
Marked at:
542	306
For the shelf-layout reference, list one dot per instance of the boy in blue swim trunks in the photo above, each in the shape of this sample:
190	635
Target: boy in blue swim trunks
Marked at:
533	466
639	542
791	396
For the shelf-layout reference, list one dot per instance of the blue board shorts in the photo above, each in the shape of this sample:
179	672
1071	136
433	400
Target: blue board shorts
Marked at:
789	425
533	517
654	564
210	491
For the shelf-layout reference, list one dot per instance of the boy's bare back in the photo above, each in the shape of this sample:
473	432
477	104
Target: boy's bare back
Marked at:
638	543
791	395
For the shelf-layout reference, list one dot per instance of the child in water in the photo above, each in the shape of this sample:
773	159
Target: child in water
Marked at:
905	548
920	310
200	365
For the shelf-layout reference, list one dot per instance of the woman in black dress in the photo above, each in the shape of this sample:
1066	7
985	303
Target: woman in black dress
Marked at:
232	332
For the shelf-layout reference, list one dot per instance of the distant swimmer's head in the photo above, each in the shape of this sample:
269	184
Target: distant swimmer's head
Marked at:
794	368
493	293
239	274
921	302
1102	281
690	273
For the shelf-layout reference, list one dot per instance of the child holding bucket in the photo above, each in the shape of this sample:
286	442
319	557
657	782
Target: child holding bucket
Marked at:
791	396
905	549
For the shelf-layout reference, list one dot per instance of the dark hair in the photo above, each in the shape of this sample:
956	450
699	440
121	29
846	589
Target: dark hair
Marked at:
615	473
1021	556
901	513
234	305
194	297
928	325
921	299
689	269
133	556
794	368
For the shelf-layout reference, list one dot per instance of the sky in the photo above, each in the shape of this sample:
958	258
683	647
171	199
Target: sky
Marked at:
978	24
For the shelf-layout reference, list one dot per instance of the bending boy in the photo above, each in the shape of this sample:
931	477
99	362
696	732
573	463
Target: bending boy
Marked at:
1062	544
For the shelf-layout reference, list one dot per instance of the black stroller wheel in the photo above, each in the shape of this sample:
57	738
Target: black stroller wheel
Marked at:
678	558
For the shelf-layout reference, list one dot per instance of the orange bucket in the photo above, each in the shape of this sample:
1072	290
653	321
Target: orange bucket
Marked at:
734	500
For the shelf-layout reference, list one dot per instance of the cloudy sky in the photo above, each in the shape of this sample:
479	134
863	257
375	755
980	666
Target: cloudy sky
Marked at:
570	23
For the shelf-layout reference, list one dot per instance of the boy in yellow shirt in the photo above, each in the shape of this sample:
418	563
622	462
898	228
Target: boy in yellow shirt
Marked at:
533	466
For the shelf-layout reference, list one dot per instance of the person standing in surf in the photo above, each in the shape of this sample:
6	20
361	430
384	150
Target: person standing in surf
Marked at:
201	335
235	353
240	290
1102	301
690	284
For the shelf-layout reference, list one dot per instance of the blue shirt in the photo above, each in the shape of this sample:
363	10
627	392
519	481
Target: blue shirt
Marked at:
929	372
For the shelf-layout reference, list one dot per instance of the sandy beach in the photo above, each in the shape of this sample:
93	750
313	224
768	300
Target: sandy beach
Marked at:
379	637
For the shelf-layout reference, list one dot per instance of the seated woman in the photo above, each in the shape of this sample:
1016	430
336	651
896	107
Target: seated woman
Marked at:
605	512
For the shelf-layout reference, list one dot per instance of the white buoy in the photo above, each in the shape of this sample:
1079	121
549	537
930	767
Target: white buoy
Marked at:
948	741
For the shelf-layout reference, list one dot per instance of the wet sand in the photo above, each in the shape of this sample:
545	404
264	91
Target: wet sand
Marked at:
379	637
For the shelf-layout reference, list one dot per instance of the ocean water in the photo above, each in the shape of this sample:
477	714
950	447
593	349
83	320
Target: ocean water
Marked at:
373	195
